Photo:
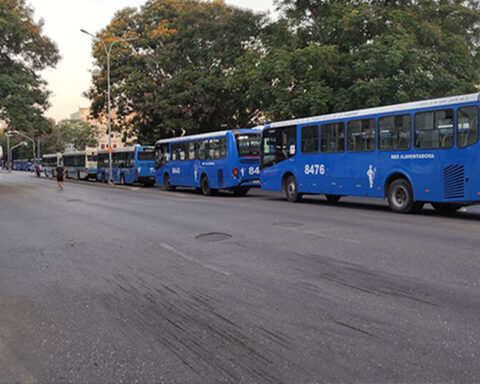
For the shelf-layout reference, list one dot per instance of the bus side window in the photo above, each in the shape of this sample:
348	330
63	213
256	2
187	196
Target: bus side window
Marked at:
361	135
309	139
202	149
467	126
333	137
394	132
434	129
223	147
288	146
191	150
174	152
182	151
130	160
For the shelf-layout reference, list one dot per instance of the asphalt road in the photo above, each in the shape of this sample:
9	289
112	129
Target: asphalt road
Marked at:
125	285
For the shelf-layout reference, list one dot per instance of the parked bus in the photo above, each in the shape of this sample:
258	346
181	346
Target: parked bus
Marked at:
218	160
50	163
22	165
410	154
130	165
81	165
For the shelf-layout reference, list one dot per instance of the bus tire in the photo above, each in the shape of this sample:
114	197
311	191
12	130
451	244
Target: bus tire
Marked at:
166	182
122	179
206	190
241	191
332	199
291	190
400	196
446	208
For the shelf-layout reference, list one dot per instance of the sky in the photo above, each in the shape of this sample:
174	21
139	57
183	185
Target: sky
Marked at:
63	20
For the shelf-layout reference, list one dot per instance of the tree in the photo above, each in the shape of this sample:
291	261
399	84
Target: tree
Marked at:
24	51
181	75
327	56
77	132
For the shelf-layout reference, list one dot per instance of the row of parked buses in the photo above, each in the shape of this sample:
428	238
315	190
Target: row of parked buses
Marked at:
410	154
22	165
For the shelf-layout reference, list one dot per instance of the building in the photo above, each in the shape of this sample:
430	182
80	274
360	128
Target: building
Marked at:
102	139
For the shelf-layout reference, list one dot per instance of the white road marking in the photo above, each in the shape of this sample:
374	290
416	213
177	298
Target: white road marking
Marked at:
168	247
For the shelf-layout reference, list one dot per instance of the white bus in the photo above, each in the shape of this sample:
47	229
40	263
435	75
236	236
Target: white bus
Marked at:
81	165
50	163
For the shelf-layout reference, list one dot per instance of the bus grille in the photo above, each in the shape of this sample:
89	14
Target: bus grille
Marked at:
454	181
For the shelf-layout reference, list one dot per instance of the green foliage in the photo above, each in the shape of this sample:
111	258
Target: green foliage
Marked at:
77	132
328	56
24	51
181	73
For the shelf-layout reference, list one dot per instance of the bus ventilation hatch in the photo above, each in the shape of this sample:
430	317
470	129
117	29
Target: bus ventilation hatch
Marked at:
220	177
454	181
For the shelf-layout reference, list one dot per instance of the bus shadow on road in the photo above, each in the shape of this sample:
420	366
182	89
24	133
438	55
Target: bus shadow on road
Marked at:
380	206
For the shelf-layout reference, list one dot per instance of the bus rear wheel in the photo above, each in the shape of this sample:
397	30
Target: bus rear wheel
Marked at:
166	182
446	208
291	190
205	184
400	196
332	199
242	191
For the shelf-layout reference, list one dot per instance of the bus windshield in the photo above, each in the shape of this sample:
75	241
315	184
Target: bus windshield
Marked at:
143	156
248	144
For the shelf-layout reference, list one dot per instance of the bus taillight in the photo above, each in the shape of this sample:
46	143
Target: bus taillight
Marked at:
235	172
136	172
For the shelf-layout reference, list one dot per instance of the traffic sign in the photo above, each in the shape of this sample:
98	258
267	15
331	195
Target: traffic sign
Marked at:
110	149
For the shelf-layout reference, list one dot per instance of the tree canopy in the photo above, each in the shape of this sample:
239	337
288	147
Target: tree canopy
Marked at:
334	55
77	132
200	66
180	74
24	51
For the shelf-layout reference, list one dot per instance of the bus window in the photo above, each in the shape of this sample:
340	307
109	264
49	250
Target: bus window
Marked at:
394	132
130	159
161	155
333	137
191	150
223	147
146	155
182	151
310	139
361	135
467	126
248	144
202	149
289	143
212	148
269	147
434	129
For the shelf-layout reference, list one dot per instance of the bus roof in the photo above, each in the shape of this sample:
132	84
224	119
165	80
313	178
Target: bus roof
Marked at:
127	149
51	155
208	135
380	110
75	153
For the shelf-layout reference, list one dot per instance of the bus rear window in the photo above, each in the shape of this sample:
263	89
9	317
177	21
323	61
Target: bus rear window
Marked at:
145	156
248	145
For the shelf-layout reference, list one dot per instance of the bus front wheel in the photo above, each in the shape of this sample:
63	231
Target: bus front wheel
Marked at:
291	190
446	208
400	196
168	185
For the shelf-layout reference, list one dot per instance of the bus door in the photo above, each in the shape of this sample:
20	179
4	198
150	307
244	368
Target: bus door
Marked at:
189	164
312	175
279	146
177	168
362	161
332	149
215	166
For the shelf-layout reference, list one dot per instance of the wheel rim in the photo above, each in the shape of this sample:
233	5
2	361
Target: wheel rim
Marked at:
400	197
291	189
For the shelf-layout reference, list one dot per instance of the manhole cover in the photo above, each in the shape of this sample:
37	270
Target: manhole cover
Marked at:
214	236
74	201
288	224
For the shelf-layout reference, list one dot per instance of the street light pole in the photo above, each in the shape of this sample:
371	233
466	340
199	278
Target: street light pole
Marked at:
25	137
107	53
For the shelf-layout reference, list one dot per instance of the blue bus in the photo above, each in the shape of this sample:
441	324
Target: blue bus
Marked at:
22	165
130	165
226	160
410	154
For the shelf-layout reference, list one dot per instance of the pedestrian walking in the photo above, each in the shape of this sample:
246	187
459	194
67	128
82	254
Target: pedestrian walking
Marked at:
60	176
38	170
